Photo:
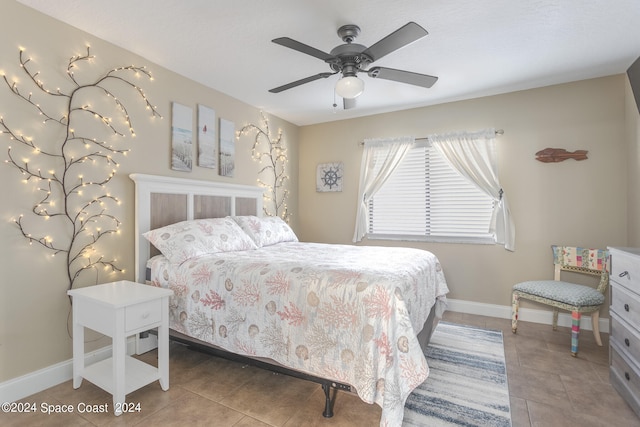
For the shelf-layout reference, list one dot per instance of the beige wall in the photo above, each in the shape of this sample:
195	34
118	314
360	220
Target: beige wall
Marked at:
580	203
34	309
632	122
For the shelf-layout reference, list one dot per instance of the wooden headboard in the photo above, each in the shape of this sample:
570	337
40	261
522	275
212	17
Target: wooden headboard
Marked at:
162	200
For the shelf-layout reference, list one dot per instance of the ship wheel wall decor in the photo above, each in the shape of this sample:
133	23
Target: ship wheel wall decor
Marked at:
329	177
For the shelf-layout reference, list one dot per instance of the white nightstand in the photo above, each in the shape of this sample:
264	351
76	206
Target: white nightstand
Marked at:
119	310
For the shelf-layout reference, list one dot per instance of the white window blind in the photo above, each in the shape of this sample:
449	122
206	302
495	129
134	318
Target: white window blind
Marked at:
426	198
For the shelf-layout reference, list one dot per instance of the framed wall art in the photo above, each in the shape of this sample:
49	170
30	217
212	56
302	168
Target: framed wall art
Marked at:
181	137
207	150
227	147
329	176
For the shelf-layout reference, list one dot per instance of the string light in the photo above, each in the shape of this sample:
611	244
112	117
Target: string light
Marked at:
272	152
61	197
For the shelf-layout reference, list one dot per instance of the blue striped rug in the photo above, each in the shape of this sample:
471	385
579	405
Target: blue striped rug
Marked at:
467	384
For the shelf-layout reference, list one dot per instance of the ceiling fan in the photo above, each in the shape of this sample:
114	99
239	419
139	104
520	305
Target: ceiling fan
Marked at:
352	58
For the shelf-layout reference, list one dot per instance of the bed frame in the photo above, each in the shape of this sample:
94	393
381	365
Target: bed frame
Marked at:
161	201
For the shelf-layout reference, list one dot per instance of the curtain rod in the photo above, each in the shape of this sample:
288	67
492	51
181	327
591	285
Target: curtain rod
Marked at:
425	138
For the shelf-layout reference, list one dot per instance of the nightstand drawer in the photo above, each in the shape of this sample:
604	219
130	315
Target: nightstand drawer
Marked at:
143	314
625	304
627	338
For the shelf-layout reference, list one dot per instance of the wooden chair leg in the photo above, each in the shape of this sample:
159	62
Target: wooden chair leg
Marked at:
555	319
575	332
515	302
595	325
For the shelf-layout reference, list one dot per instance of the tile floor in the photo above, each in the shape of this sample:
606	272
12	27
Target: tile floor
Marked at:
547	386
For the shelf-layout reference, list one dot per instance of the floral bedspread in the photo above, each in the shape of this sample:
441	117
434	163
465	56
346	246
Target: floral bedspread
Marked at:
347	313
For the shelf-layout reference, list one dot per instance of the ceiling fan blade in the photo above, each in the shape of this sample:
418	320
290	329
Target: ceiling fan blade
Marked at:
401	37
401	76
348	103
300	82
301	47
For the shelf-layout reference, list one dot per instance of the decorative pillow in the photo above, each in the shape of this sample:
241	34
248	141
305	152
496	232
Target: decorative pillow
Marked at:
190	239
266	231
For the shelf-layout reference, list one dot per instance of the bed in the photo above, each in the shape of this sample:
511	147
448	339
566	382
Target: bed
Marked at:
352	318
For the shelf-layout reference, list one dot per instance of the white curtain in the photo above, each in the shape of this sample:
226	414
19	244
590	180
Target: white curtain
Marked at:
380	157
474	156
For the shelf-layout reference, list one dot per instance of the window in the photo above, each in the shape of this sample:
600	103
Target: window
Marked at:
426	199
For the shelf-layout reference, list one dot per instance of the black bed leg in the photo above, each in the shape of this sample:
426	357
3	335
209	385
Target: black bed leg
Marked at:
328	406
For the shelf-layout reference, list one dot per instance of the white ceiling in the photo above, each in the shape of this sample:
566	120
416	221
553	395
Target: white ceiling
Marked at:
476	48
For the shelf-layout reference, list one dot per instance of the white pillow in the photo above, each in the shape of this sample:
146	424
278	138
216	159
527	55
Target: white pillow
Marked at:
266	231
190	239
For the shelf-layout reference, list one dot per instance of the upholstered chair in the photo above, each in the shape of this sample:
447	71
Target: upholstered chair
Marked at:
561	295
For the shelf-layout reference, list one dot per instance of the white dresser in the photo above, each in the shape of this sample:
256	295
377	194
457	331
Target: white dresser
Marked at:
624	355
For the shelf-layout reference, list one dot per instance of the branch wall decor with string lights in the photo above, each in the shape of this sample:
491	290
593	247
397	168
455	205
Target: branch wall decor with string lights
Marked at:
72	160
272	153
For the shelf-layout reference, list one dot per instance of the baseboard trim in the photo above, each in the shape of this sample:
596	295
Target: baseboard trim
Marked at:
42	379
525	314
37	381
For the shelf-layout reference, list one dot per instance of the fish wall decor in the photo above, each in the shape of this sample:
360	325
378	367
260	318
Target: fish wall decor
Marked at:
555	155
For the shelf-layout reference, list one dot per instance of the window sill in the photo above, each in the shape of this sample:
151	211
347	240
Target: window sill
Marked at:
434	239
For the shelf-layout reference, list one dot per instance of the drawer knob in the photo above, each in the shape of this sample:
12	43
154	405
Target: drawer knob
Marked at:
627	376
626	341
146	314
626	307
624	273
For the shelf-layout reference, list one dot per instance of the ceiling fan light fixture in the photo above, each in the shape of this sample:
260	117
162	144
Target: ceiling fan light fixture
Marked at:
349	87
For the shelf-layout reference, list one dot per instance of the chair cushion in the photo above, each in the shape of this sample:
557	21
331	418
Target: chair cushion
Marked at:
568	293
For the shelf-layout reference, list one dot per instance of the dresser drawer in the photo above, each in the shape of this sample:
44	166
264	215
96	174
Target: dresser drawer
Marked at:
625	372
625	270
627	338
144	314
625	304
